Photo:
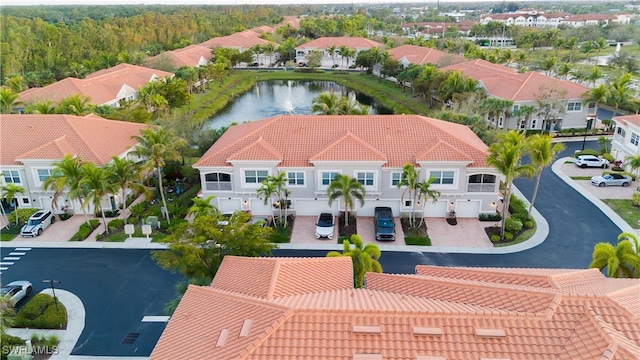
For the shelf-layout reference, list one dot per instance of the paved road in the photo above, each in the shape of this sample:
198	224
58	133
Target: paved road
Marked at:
575	226
118	287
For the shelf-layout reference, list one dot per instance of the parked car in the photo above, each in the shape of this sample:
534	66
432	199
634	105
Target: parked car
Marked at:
585	161
260	220
611	180
385	226
17	290
37	223
325	225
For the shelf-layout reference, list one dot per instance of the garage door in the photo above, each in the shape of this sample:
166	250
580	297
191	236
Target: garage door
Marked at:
369	207
229	205
258	207
47	204
310	207
468	209
437	209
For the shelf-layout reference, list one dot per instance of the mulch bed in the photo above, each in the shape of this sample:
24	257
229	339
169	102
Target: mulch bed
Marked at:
347	231
495	230
416	231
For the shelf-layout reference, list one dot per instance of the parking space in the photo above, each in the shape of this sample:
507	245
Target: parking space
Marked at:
611	192
58	231
304	231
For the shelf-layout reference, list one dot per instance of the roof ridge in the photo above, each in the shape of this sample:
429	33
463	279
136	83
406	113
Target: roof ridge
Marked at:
349	135
68	119
246	298
277	323
524	83
553	278
273	280
439	142
262	143
488	271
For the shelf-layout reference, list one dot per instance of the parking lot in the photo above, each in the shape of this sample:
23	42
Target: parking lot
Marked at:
612	192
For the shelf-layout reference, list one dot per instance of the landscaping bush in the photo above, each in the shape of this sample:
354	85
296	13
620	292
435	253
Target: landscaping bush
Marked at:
132	220
608	157
9	341
586	152
508	236
518	209
528	224
109	213
617	169
635	199
65	216
513	225
175	223
23	215
42	312
490	217
84	230
116	224
495	239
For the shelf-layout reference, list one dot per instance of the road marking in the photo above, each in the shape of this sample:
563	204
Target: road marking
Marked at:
11	258
3	268
23	249
5	263
155	318
17	253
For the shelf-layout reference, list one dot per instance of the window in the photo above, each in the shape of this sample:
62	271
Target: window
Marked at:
217	181
500	122
328	177
296	178
395	179
621	132
365	178
574	106
442	177
255	176
533	123
522	125
482	183
12	176
634	139
516	107
44	174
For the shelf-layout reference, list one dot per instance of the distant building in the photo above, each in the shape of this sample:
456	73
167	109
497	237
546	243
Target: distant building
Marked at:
626	140
324	43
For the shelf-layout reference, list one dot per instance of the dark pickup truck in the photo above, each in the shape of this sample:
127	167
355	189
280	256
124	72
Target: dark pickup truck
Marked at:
385	227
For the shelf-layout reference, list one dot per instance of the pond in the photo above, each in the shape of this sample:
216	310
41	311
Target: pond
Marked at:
277	97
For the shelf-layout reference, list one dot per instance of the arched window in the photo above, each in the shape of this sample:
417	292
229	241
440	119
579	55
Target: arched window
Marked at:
217	181
481	183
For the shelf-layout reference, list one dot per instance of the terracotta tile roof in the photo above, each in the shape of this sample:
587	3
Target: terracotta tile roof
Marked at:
628	119
588	17
350	42
421	55
263	29
505	83
101	86
294	21
441	313
191	56
50	137
394	139
241	40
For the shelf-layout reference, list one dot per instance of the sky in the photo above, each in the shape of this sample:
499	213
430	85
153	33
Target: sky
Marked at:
219	2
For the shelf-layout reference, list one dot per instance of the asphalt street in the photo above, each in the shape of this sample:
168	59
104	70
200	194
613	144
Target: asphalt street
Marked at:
118	288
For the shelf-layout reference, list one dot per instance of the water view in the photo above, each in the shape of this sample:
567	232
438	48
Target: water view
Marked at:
271	98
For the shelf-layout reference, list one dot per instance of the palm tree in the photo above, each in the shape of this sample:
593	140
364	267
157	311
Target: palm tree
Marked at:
66	175
276	186
597	95
425	193
332	52
202	207
365	258
456	83
594	75
7	100
409	181
42	107
505	156
525	111
76	105
95	181
155	147
8	193
327	103
621	261
348	188
542	152
599	45
126	173
633	163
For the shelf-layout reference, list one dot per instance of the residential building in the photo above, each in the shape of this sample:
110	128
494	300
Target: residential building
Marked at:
103	87
312	149
192	56
419	55
306	308
530	18
529	89
32	143
627	136
323	45
596	19
243	41
429	30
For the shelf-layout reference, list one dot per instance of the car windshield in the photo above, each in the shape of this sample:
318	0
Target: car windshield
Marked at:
608	177
325	221
33	222
385	223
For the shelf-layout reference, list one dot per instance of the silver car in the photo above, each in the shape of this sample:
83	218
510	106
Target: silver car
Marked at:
611	180
17	290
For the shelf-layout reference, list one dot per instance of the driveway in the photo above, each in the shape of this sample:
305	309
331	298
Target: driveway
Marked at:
58	231
304	231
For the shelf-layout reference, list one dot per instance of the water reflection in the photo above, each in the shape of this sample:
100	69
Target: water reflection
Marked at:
271	98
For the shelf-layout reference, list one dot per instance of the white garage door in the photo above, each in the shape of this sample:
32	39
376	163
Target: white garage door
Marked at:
47	203
369	207
437	209
229	205
304	207
468	209
258	207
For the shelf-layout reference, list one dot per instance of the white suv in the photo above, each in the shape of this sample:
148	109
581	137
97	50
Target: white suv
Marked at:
37	223
585	161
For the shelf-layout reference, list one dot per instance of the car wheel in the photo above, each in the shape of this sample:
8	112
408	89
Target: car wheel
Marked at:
29	290
39	232
625	184
584	166
604	166
53	219
602	184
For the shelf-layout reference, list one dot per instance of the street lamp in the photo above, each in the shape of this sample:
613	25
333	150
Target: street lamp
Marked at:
590	118
53	290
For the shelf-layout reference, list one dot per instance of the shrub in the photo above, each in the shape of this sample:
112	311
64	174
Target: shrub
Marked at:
417	240
508	236
518	209
42	312
608	157
617	168
138	209
495	239
513	225
132	220
586	152
23	215
175	223
635	199
490	217
65	216
528	224
84	230
109	213
116	224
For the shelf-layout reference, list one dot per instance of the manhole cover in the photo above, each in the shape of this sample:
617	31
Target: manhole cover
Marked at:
130	338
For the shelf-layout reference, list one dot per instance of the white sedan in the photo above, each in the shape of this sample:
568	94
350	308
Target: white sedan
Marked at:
611	180
17	290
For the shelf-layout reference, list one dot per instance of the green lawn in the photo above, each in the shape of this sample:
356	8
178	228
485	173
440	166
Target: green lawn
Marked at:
581	177
417	240
526	235
626	210
281	235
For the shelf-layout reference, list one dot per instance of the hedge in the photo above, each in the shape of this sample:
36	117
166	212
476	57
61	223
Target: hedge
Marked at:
84	230
490	217
42	312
